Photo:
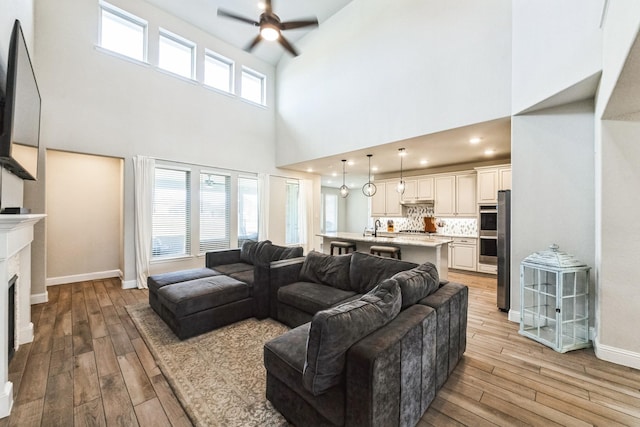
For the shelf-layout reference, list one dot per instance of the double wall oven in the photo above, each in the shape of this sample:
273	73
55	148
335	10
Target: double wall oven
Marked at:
488	231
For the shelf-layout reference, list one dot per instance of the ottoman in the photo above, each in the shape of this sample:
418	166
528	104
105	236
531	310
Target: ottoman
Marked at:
196	306
157	281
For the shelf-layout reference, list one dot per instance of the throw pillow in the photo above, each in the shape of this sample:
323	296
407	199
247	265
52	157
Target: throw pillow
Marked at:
331	270
366	270
285	252
335	330
417	283
251	250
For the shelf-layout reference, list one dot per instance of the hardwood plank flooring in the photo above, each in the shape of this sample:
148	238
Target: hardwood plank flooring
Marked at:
88	366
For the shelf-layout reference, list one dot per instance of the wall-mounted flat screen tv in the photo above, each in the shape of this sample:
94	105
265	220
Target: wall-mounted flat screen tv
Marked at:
20	136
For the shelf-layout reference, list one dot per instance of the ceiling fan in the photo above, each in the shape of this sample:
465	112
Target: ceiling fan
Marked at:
270	26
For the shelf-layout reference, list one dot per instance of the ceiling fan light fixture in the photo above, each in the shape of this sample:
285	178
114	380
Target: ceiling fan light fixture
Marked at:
269	32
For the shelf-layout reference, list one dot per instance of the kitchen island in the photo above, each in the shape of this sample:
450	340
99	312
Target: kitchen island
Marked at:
418	249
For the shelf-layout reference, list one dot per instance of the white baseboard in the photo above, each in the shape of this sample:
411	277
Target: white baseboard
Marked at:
129	284
514	316
40	298
616	355
52	281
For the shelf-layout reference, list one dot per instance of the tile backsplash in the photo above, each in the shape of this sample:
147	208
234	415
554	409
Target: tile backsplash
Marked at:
450	226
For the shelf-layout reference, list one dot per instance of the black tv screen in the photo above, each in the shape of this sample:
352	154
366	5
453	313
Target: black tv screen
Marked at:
20	137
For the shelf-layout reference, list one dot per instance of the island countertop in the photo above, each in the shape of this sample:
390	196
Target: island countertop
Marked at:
424	241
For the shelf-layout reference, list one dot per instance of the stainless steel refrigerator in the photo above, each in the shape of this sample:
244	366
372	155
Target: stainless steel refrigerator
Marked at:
504	250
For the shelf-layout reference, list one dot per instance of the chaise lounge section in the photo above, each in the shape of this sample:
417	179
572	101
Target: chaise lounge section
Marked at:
233	286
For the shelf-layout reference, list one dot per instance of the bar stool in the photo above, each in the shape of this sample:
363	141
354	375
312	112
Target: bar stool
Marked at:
343	245
392	251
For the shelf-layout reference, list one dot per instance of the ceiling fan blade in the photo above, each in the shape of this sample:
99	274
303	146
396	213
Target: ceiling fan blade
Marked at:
226	14
298	24
267	7
253	43
287	45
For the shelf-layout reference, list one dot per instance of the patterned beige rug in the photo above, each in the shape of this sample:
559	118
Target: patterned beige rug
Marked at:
219	377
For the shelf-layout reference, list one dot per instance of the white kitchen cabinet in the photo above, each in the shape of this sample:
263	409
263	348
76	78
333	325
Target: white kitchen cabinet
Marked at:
455	195
425	188
491	180
386	201
464	253
418	188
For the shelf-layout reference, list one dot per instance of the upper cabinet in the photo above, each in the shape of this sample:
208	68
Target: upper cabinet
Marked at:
492	179
455	195
386	201
418	188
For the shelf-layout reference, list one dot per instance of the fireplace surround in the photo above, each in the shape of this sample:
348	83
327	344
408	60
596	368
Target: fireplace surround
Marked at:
16	235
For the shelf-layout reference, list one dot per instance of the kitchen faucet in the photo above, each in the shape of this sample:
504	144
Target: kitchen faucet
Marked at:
375	227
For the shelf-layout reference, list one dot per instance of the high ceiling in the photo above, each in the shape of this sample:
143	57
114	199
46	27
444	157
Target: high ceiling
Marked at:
439	150
203	14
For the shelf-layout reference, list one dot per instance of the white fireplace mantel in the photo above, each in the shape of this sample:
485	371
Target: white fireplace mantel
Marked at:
16	235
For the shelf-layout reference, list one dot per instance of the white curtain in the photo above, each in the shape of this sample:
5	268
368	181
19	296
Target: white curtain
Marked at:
305	214
143	171
263	203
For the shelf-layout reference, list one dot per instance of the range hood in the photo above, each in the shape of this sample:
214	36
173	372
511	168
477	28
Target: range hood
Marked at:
414	202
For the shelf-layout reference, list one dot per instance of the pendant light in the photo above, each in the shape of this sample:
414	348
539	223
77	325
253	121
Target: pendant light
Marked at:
369	189
400	187
344	190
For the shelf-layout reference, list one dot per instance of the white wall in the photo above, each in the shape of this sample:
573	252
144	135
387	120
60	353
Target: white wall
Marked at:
617	180
553	196
358	208
556	44
84	201
372	75
97	103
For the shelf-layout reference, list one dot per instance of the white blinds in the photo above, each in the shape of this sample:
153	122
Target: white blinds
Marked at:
248	211
215	195
171	217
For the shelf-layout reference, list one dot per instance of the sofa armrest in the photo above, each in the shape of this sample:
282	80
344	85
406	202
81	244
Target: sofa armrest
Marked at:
222	257
390	374
282	273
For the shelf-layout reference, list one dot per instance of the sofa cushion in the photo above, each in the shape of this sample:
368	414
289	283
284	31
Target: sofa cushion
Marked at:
285	252
246	276
236	267
336	329
366	271
326	269
191	297
157	281
253	252
417	283
312	297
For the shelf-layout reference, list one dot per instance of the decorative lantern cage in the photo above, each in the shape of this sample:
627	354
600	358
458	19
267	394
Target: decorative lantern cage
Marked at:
554	300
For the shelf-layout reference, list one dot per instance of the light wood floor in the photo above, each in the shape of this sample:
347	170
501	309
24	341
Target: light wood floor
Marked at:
88	366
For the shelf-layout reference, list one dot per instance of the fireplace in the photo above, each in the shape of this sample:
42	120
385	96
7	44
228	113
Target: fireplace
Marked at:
11	317
16	235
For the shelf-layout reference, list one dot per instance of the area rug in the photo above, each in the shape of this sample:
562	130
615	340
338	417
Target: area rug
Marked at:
219	377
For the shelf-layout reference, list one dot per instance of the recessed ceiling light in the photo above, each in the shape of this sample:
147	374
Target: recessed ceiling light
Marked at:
334	174
475	140
350	162
309	170
489	152
424	162
374	168
261	5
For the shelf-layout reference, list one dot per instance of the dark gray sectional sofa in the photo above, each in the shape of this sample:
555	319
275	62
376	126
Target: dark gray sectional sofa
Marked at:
373	338
233	286
385	337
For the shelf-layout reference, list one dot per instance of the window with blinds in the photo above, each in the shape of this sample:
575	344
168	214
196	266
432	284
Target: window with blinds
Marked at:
248	212
215	204
171	225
